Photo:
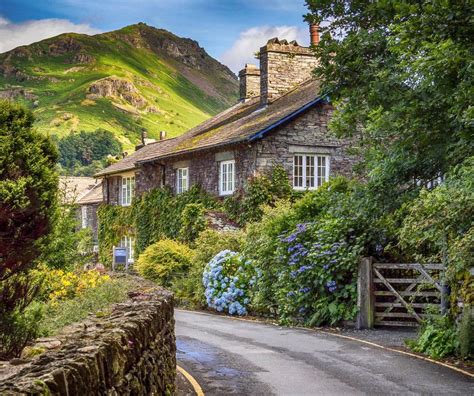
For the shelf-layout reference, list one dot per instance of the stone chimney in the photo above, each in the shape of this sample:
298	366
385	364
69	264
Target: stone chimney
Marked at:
283	65
249	82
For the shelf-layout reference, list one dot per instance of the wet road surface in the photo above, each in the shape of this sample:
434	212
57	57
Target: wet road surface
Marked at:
229	356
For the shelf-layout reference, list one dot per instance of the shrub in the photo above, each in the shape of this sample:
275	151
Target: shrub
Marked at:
247	206
260	245
28	186
193	222
94	300
228	279
60	285
17	328
164	261
288	246
189	290
318	278
438	228
438	337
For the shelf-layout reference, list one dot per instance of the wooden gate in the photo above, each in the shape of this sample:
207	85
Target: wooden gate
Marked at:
396	294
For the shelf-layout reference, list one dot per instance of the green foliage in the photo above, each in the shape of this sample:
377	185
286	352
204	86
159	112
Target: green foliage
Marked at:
28	185
401	72
189	289
193	222
164	261
438	337
262	190
466	333
261	243
95	300
437	227
114	223
317	282
17	329
67	245
307	253
86	152
158	213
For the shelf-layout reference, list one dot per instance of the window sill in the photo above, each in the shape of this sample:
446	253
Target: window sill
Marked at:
225	194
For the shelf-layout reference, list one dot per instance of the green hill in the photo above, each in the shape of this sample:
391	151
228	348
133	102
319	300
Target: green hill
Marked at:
122	81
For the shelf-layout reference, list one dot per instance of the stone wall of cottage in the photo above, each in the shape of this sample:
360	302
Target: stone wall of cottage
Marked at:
132	351
111	190
306	134
283	66
203	169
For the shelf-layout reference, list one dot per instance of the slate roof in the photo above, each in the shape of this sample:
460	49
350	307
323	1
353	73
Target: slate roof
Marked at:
75	187
244	122
93	196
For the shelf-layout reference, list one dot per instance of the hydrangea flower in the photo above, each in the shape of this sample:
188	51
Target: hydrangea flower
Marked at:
227	279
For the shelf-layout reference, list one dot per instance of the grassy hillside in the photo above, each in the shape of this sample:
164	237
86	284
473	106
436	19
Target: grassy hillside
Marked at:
119	81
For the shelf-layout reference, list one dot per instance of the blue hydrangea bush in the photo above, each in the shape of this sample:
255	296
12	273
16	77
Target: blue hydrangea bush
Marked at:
317	280
228	279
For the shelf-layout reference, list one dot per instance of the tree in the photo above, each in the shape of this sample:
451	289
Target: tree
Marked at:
28	186
401	77
86	152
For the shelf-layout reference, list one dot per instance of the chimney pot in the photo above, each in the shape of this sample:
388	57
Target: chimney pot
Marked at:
314	33
162	135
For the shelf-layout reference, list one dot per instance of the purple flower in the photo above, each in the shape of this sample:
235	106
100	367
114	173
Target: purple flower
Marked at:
305	290
331	285
290	294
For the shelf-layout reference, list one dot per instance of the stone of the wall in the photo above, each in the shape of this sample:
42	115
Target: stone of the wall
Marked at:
130	352
203	169
283	67
111	190
309	133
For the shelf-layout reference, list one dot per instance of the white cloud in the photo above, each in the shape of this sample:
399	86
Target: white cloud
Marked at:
13	35
249	42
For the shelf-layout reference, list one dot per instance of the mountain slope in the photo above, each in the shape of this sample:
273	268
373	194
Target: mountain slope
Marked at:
122	81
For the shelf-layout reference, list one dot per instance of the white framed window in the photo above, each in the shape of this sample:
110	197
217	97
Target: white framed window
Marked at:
182	180
310	171
128	242
127	191
84	216
226	177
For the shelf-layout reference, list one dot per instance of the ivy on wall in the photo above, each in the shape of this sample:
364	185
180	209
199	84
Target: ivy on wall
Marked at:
154	215
114	223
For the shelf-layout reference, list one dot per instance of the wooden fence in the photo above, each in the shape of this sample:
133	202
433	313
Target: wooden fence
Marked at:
394	294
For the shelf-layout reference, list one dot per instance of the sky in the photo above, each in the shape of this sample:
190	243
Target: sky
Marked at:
230	30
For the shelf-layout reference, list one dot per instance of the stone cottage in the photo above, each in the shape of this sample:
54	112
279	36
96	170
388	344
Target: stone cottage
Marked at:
280	119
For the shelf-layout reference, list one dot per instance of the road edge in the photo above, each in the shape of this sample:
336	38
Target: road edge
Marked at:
373	344
197	388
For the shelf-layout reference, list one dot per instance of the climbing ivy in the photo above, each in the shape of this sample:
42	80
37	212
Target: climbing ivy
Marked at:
154	215
246	205
114	223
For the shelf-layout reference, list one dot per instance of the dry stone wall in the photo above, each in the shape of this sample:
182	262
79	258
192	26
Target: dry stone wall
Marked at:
130	352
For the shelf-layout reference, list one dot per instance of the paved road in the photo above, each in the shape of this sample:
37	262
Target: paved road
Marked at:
228	356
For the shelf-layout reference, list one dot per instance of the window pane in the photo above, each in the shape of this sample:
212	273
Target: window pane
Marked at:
309	171
322	170
298	171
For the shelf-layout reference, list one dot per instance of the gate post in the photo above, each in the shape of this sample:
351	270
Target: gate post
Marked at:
365	295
